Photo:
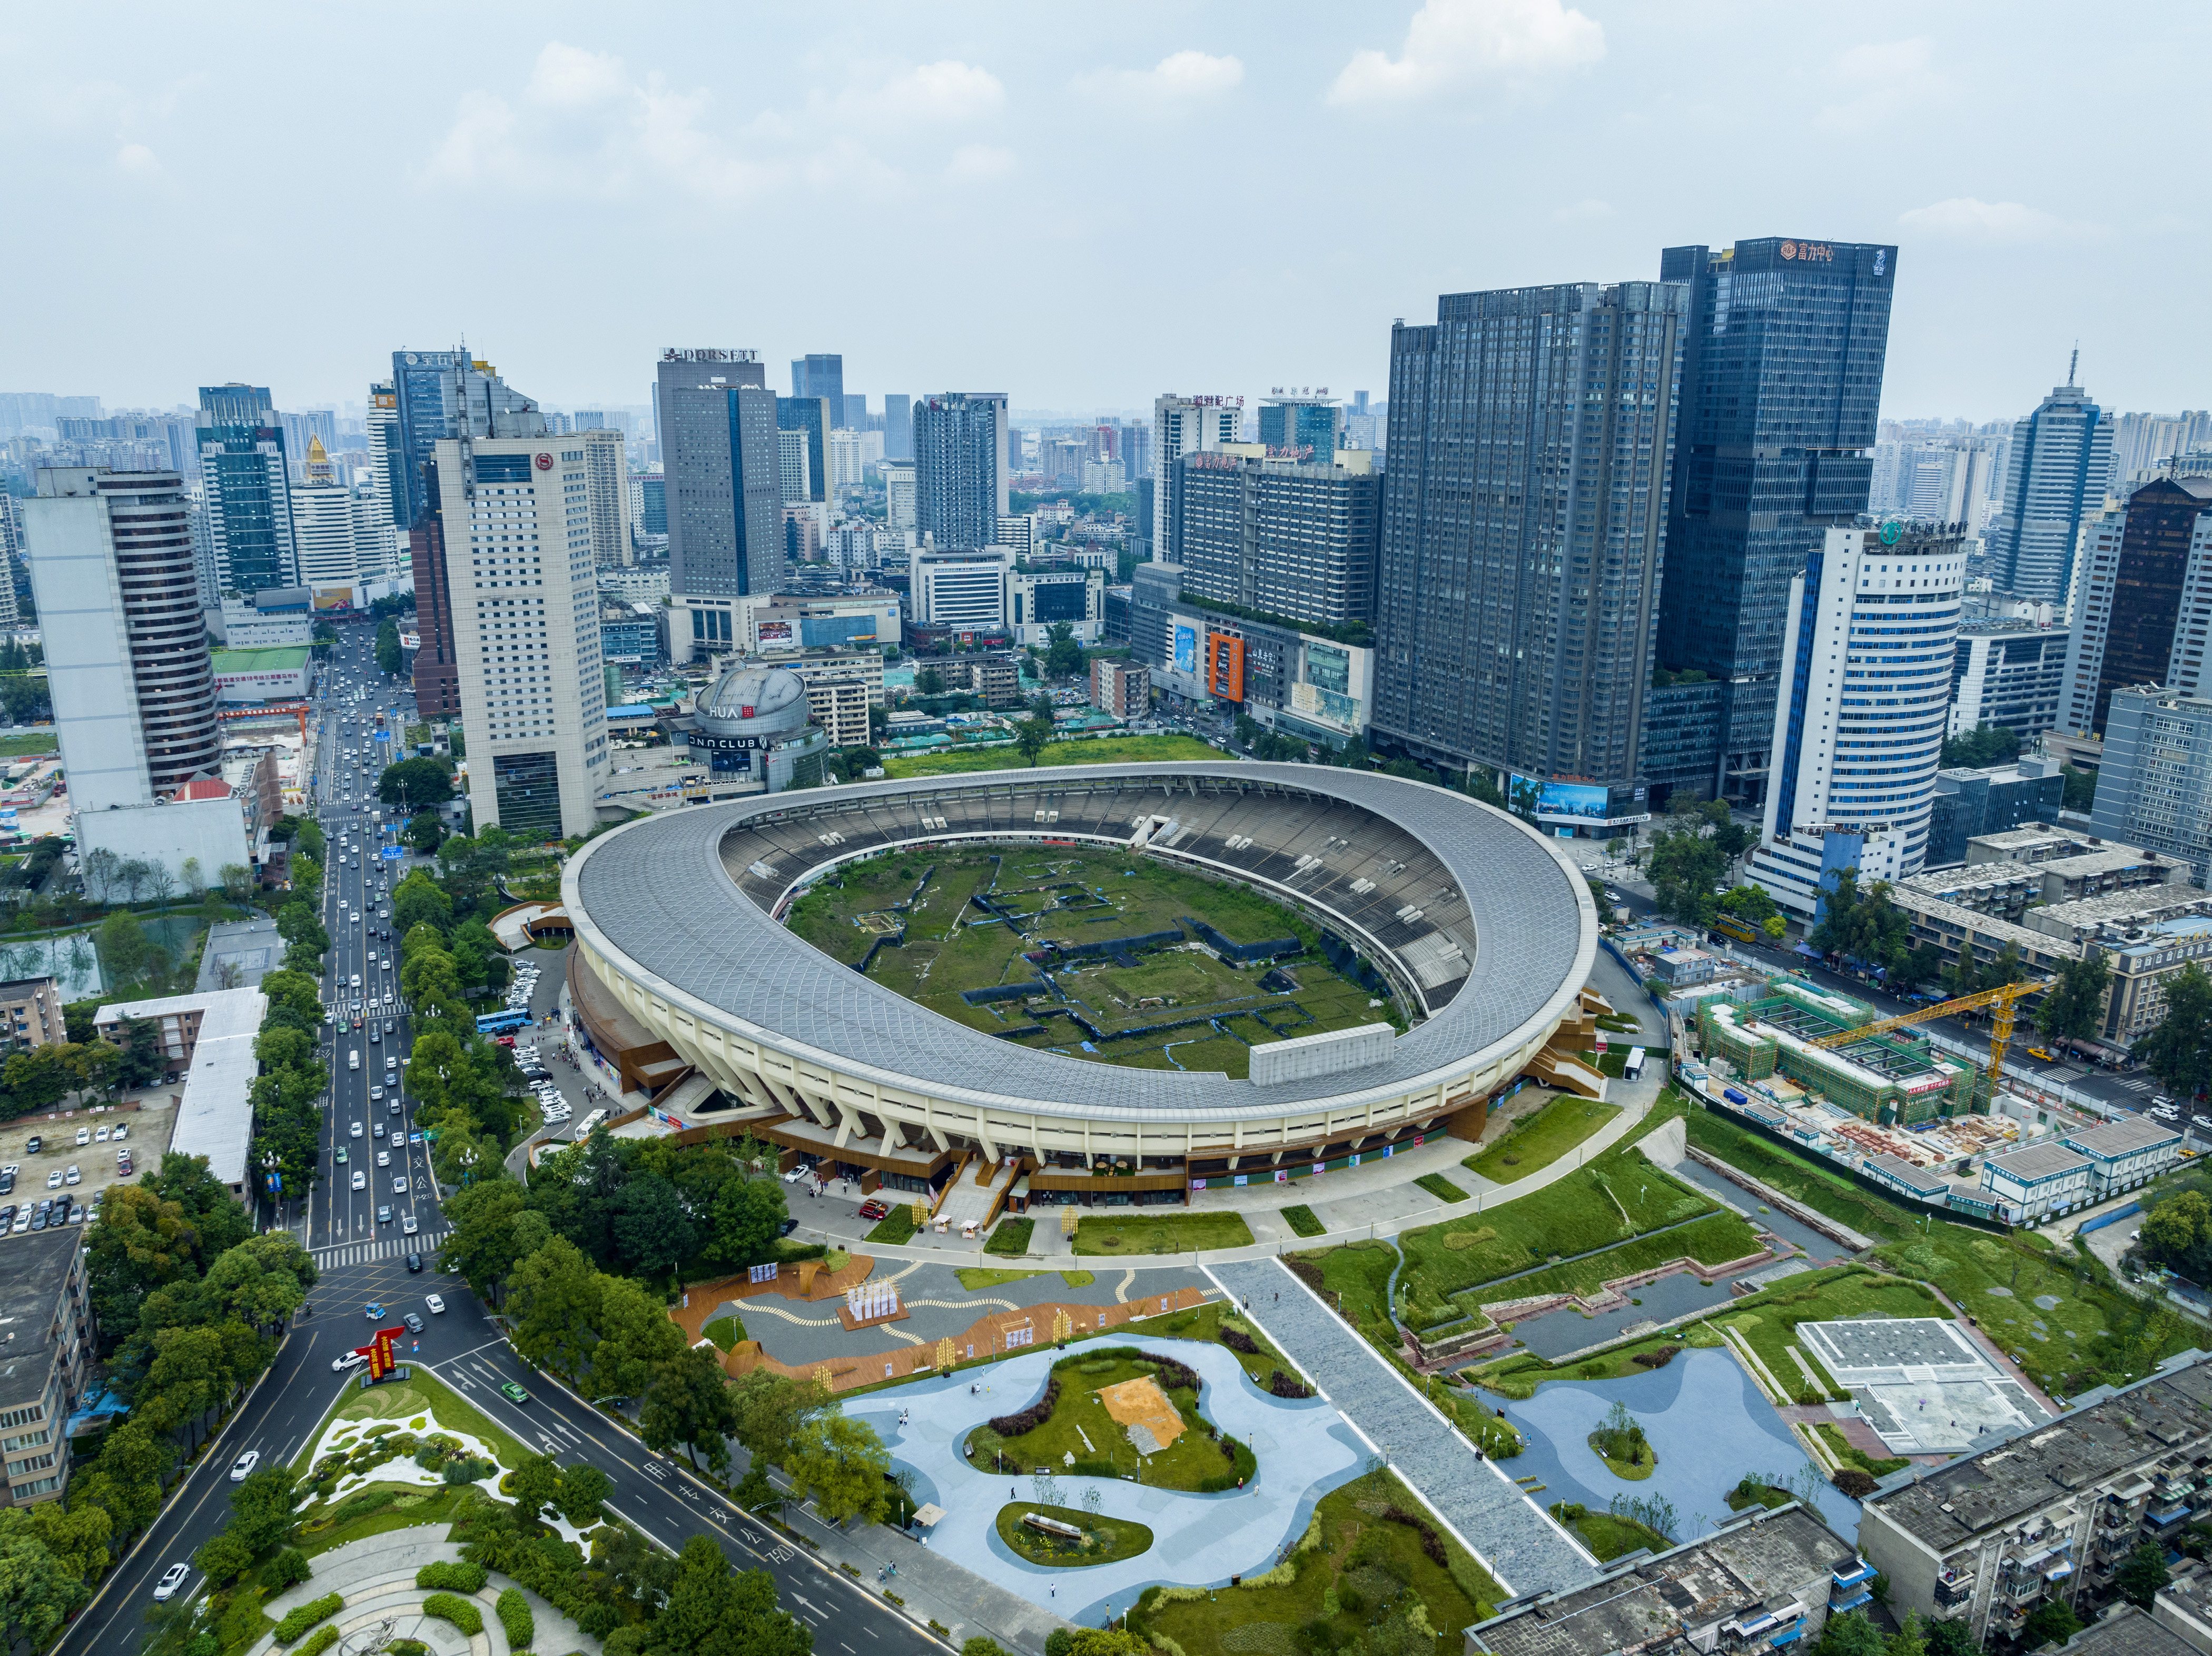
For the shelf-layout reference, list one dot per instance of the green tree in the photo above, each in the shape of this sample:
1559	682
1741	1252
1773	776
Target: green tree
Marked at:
840	1464
391	655
418	900
2080	790
481	1243
583	1487
2074	1008
1687	863
771	1411
1063	657
124	948
2141	1575
126	1478
2175	1232
749	1216
2178	1050
39	1590
1031	737
689	1402
2051	1622
1951	1638
1985	744
635	1337
554	1300
412	784
1752	903
715	1610
1849	1634
536	1485
424	831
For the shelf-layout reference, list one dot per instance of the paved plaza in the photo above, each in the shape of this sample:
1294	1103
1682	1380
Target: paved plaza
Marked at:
1708	1423
1921	1383
1303	1449
1517	1542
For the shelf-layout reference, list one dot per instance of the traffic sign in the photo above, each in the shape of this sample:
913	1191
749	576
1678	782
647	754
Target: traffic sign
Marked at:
392	853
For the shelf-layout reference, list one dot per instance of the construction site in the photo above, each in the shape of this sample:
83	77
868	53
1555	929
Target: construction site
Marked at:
1811	1039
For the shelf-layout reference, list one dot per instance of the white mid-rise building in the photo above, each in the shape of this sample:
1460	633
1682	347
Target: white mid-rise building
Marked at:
795	466
323	533
1181	426
965	590
898	495
609	497
849	460
1866	689
526	626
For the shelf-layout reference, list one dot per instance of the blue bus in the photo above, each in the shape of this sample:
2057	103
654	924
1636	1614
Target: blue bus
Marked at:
500	1024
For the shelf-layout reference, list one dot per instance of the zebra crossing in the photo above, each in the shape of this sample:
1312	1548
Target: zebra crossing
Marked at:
362	1254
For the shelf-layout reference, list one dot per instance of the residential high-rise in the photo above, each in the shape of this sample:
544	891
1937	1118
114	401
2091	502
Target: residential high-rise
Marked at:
387	485
2145	565
811	416
1858	735
237	404
1291	423
2155	781
522	590
822	375
1181	426
1290	538
2142	443
11	560
127	662
848	461
961	480
898	495
246	486
440	394
2054	480
322	524
898	425
609	495
1782	368
796	476
721	448
1524	515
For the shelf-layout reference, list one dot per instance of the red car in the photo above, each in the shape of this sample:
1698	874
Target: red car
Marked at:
875	1208
504	1041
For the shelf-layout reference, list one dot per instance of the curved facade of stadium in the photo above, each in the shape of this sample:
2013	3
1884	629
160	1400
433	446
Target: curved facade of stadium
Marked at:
682	963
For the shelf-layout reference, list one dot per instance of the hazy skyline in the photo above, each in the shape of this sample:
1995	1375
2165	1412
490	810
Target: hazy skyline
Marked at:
1082	210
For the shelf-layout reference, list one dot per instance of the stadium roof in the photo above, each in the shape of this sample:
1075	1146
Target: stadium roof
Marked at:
655	897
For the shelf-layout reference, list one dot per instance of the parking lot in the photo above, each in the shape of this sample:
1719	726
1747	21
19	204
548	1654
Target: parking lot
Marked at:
140	1123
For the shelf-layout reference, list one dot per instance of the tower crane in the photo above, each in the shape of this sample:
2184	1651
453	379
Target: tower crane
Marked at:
2005	1007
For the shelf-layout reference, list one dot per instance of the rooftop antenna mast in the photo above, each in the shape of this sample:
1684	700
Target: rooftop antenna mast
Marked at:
2073	363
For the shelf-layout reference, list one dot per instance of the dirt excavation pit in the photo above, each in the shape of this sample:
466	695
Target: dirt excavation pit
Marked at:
1142	1411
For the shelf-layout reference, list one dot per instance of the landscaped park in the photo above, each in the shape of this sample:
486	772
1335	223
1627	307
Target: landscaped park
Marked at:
1109	957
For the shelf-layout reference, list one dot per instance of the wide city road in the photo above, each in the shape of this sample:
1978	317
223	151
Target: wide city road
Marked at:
366	1260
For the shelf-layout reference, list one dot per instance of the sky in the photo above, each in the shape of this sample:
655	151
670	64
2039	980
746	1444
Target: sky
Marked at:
1082	206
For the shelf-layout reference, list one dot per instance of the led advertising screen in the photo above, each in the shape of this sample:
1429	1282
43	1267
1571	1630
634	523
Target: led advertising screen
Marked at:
1186	649
1568	802
775	632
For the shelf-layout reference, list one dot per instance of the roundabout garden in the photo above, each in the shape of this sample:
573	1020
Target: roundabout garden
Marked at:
1069	1538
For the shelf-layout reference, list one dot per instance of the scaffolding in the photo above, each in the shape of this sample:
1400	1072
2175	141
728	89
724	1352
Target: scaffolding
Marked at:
1812	1038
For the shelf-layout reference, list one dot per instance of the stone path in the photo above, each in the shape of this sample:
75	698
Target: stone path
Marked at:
1517	1541
376	1575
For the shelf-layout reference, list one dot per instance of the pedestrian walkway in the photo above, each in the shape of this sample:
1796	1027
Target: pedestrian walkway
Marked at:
1519	1543
376	1577
360	1253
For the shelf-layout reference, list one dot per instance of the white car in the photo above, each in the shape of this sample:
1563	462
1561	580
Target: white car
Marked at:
242	1468
84	1135
360	1180
399	1185
346	1359
384	1158
121	1133
172	1579
434	1303
355	1130
407	1225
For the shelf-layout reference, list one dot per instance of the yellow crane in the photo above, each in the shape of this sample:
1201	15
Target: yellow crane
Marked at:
2005	1002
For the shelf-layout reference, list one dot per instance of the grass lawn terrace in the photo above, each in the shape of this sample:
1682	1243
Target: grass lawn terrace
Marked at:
1159	1230
1534	1142
1080	1426
945	925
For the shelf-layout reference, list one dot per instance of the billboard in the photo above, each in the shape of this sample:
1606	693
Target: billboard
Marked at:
1572	801
1184	659
1225	667
773	632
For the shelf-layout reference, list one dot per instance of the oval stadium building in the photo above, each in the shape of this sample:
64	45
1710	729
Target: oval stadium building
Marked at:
687	984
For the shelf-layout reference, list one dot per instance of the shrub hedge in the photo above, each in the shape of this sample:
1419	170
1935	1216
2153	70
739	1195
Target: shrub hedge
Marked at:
318	1641
451	1607
314	1610
514	1612
462	1577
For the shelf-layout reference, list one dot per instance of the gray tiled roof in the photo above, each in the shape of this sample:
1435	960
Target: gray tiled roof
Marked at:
657	893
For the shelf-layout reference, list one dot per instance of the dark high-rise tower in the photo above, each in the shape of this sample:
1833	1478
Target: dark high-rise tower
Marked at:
725	497
1781	385
820	374
1524	512
440	394
815	417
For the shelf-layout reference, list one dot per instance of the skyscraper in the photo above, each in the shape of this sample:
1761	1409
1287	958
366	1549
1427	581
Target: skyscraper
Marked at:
322	524
2055	478
127	663
1869	630
387	487
1523	514
1287	538
1181	426
898	425
608	471
237	404
820	375
2147	564
721	450
522	591
792	467
811	416
961	478
1303	422
1781	369
440	394
246	487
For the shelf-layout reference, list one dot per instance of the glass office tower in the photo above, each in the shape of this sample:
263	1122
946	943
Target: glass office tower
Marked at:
1781	385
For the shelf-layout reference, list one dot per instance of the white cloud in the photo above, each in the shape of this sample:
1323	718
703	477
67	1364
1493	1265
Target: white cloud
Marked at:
1581	212
1179	77
978	163
585	123
1451	42
1967	218
1882	80
138	161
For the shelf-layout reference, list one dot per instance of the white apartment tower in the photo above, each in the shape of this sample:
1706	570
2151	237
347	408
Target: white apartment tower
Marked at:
525	602
1867	649
609	471
1181	426
322	522
898	495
